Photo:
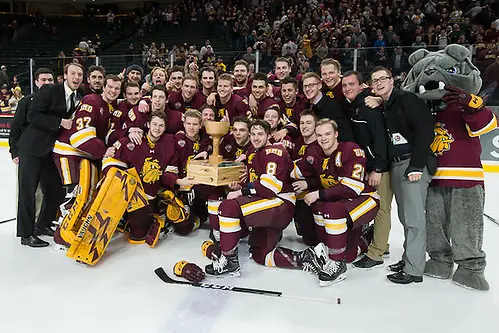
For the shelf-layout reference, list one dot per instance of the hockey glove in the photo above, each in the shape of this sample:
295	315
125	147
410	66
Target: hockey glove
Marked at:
468	101
189	271
210	250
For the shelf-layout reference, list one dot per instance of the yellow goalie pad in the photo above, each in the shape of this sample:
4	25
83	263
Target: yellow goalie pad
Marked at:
176	210
86	190
119	191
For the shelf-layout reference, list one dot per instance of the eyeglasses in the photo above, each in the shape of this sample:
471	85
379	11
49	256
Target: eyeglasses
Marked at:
309	86
380	80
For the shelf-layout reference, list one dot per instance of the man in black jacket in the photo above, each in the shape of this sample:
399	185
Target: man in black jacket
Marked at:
410	129
50	110
326	107
42	76
369	129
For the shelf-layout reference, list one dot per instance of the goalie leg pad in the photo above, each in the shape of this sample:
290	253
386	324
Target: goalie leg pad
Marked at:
176	210
71	219
103	216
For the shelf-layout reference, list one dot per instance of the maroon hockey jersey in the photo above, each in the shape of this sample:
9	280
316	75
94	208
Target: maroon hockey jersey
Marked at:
188	149
457	146
243	91
268	173
91	122
230	150
176	101
300	148
265	104
156	163
123	118
341	175
237	106
291	114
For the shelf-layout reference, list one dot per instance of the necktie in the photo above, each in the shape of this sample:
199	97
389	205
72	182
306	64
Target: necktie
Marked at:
72	106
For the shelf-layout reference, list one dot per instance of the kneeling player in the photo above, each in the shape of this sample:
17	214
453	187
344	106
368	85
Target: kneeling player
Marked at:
265	206
343	205
155	160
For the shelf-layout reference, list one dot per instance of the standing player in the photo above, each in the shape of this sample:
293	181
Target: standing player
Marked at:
229	105
189	97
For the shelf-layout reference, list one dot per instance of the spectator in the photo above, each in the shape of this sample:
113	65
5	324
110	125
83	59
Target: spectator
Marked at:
249	57
398	62
418	44
4	78
442	39
17	95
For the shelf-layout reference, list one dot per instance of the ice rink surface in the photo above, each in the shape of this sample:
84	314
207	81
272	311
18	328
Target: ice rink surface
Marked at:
41	290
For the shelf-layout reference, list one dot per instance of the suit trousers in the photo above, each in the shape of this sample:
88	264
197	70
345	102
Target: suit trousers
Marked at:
34	171
38	196
411	203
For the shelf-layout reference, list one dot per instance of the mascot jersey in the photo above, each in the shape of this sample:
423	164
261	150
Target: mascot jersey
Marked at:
457	145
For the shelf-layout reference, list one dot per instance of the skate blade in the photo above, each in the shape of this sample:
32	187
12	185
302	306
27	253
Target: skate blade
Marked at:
340	278
228	274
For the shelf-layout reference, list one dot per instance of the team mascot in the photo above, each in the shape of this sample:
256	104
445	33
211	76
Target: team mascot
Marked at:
449	82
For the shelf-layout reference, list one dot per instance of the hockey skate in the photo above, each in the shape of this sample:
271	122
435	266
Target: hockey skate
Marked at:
224	266
332	272
314	258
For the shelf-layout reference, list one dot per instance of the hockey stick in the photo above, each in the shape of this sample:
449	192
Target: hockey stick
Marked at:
9	220
491	219
160	272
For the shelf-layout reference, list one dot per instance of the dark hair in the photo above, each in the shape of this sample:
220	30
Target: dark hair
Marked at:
289	79
112	77
309	112
381	68
206	106
96	68
261	77
262	123
243	120
43	70
207	69
177	68
159	114
358	75
131	85
282	59
161	88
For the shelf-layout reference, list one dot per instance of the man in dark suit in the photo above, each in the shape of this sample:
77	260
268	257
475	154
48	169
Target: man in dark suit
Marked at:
42	76
51	109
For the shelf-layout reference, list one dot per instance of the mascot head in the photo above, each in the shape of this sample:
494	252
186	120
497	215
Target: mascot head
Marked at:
432	71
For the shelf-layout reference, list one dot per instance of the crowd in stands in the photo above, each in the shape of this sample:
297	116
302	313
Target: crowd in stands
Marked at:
383	32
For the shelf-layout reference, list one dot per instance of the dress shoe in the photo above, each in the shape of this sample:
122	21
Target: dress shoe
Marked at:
397	267
404	278
33	241
45	231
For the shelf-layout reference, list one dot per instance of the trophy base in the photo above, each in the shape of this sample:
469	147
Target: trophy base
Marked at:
204	173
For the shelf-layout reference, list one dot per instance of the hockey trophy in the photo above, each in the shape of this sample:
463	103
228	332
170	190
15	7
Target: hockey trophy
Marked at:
215	171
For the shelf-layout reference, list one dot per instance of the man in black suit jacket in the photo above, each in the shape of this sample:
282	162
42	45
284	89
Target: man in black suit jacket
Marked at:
42	76
326	107
51	109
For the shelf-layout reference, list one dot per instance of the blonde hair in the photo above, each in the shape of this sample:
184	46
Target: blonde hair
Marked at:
326	121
